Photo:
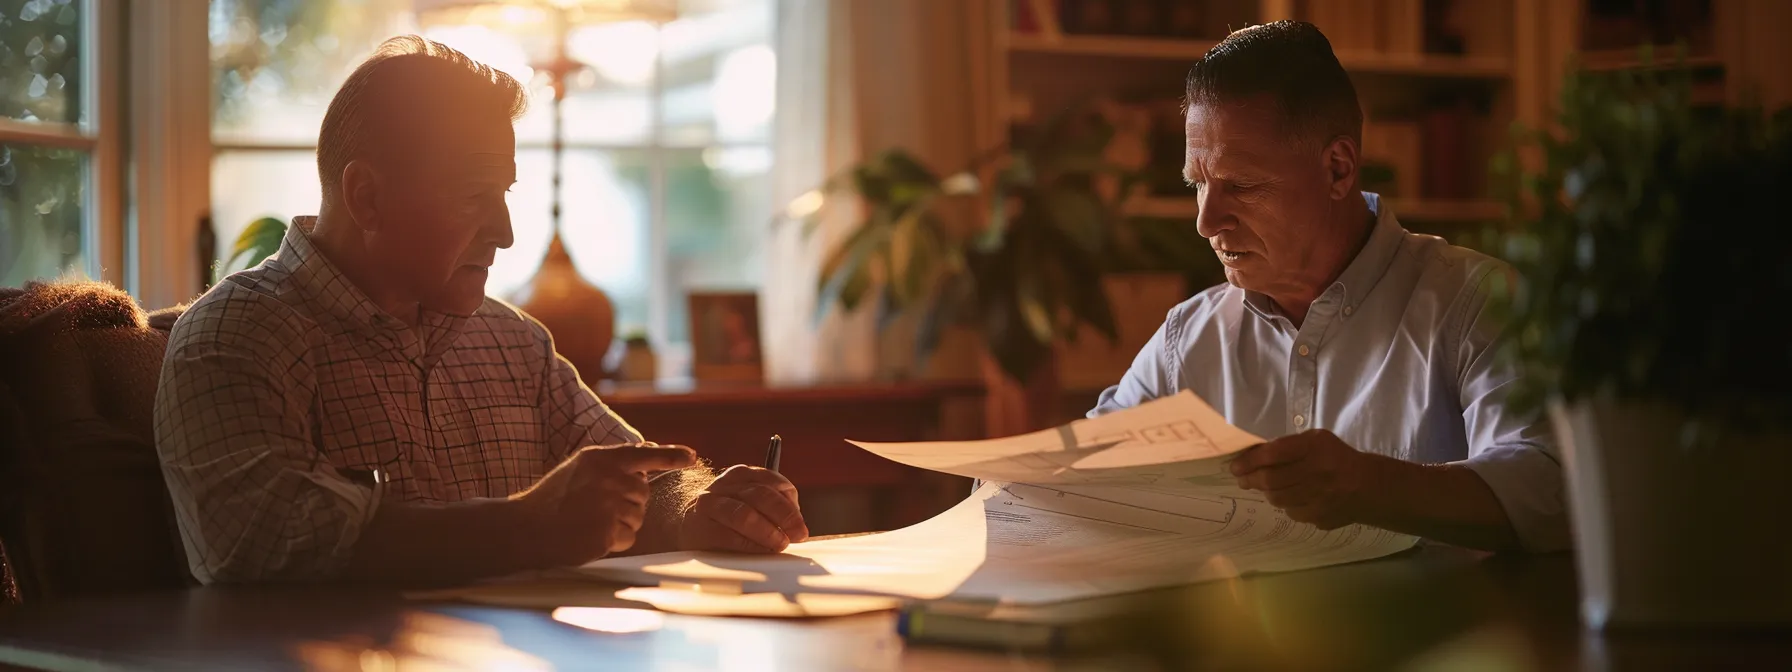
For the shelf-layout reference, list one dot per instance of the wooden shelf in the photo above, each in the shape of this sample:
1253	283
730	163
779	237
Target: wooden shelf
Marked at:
1465	211
1629	59
1427	65
1425	210
1112	46
1420	65
1163	207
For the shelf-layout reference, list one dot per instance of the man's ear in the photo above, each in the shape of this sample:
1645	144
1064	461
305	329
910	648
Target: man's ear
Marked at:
1341	163
361	187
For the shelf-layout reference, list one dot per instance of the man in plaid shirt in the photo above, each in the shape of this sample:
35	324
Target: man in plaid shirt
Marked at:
355	407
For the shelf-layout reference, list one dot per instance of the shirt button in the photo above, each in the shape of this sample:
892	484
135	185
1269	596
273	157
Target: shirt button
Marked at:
1304	350
1300	421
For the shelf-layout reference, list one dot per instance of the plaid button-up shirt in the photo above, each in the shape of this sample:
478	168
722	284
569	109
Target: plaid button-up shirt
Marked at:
285	389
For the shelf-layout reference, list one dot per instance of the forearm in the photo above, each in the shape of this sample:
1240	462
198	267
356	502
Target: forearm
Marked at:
671	496
1446	502
433	544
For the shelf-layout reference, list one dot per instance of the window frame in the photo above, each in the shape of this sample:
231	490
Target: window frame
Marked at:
100	134
168	179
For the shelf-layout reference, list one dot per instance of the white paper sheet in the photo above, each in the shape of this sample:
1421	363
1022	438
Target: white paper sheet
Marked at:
1174	438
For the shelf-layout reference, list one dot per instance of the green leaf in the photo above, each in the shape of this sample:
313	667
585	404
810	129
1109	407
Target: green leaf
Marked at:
852	290
1009	341
845	276
906	241
855	247
1085	294
927	255
1078	214
1033	311
953	294
902	166
991	236
260	240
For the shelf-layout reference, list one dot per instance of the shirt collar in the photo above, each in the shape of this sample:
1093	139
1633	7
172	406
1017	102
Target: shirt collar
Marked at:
324	285
329	291
1361	276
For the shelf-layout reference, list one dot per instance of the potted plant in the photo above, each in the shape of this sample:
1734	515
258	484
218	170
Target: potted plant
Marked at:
1024	274
1651	240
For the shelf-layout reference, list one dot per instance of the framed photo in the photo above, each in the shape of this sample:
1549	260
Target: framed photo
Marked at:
725	337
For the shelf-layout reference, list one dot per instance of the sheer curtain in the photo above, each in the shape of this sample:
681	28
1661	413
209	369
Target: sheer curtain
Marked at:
856	77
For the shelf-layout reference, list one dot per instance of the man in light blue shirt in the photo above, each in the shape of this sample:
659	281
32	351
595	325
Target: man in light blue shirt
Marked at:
1369	350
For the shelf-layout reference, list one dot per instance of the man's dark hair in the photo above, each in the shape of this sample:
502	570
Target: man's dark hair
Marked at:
418	76
1292	63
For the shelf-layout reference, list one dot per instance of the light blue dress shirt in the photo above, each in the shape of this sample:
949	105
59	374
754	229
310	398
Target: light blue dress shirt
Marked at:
1397	358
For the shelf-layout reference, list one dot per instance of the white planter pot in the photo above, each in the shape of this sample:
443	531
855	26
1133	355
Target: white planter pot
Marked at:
1667	535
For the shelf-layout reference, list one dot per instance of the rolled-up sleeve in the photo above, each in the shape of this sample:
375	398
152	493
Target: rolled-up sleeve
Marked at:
1151	375
253	497
1512	451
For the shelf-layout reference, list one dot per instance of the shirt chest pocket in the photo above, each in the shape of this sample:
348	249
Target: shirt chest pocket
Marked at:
508	427
509	440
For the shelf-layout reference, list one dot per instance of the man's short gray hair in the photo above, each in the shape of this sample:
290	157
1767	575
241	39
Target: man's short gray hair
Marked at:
460	82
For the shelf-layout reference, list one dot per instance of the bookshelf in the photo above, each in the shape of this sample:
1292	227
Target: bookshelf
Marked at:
1439	91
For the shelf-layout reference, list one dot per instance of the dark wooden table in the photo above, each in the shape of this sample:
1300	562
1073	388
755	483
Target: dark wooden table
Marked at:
1433	609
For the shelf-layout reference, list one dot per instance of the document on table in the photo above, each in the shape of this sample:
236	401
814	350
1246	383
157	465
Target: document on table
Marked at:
1133	500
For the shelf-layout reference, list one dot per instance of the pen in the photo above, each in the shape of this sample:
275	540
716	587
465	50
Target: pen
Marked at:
773	452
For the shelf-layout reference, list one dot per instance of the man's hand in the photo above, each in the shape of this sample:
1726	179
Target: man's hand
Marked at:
746	509
593	503
1313	476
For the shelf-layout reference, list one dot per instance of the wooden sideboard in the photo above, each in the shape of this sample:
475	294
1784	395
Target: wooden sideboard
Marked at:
842	488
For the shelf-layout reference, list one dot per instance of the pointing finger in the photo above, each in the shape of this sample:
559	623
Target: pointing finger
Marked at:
644	459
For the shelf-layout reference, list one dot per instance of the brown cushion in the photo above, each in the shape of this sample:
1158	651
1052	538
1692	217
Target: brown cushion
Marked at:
83	505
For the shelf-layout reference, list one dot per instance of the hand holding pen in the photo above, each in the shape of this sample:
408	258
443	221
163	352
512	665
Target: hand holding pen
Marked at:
746	509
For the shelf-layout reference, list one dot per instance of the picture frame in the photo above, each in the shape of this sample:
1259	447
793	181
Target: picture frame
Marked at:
725	339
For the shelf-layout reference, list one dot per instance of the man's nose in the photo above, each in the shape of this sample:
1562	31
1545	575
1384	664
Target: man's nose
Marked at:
500	231
1212	217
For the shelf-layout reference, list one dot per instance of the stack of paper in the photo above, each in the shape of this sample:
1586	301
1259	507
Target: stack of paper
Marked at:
1132	500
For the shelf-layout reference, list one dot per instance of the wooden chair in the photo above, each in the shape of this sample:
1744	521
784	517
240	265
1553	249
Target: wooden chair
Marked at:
84	509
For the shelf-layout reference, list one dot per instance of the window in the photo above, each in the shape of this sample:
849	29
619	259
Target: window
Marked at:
666	187
59	202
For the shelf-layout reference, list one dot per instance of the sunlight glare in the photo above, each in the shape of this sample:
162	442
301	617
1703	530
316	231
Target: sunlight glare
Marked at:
745	92
623	52
805	205
486	46
611	619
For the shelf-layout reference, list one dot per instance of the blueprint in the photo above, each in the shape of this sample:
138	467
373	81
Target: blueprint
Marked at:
1174	438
